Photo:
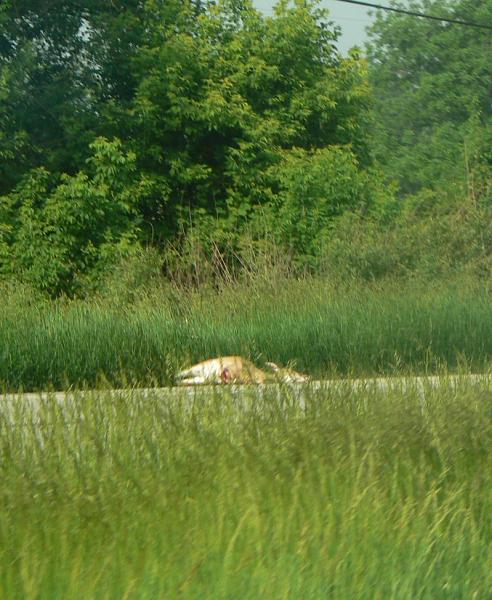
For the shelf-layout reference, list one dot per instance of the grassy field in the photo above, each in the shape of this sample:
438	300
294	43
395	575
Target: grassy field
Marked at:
328	331
358	495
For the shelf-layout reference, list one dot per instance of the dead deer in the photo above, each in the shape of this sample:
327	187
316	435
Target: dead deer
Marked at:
286	375
235	369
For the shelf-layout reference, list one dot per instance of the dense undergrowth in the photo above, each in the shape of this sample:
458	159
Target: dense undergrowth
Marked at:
324	329
360	494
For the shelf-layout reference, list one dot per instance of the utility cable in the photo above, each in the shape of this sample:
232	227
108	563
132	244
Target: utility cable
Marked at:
418	14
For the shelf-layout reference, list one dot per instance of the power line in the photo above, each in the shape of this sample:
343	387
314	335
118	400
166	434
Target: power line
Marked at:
417	14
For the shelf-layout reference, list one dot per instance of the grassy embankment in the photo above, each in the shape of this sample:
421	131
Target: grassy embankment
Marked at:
327	331
362	495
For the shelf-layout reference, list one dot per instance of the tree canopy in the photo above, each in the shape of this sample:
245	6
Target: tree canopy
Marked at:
214	101
168	122
432	86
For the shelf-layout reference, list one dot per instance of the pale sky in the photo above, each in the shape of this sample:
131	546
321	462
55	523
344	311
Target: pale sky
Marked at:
353	20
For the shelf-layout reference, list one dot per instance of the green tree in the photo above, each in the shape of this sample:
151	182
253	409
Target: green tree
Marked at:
315	190
63	63
432	83
217	106
59	233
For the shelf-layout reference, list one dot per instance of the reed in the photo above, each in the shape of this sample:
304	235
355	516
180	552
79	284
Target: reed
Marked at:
327	332
338	493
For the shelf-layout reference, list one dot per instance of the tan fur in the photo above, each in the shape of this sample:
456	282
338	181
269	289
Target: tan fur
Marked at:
286	375
224	369
235	369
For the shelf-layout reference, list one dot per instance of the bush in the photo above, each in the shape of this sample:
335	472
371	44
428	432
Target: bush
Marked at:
428	238
60	235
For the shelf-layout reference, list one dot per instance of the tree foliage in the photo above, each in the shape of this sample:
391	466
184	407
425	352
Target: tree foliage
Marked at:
213	109
61	231
217	107
432	85
212	132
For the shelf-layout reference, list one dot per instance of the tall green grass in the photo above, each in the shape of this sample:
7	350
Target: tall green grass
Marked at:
326	330
360	494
